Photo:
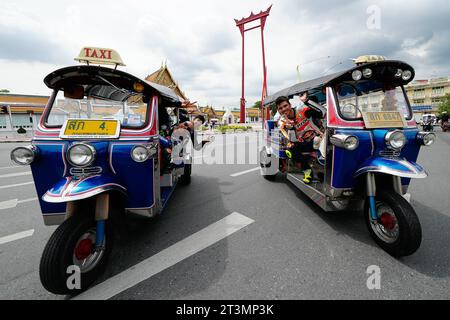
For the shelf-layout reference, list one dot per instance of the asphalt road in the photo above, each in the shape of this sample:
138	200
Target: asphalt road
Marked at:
290	249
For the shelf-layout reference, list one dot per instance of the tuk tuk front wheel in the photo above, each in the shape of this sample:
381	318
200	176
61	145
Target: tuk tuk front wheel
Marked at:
73	244
397	229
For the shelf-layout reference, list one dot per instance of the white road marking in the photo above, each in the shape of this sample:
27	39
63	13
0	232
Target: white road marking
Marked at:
17	236
9	204
167	258
16	185
244	172
27	200
10	167
10	175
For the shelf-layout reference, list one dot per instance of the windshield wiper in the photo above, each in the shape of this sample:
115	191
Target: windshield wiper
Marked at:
114	86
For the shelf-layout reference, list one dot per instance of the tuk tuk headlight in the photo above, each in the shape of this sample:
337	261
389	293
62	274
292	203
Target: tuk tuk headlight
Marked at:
81	154
396	139
398	73
345	141
406	75
426	138
142	153
139	153
356	75
367	72
23	155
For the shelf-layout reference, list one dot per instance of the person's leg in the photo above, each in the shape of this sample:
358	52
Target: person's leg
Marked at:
301	148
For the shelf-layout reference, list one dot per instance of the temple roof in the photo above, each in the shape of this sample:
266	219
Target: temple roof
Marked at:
164	77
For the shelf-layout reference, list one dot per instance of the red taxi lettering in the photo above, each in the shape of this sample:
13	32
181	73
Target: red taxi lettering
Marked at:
104	52
86	51
93	53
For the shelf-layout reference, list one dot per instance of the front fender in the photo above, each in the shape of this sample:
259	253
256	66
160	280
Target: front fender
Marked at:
70	189
394	166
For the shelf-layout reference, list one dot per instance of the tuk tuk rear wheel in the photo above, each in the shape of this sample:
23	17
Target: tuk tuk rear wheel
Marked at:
68	246
397	230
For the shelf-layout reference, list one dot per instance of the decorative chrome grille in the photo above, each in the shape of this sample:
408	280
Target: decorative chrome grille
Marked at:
83	172
390	153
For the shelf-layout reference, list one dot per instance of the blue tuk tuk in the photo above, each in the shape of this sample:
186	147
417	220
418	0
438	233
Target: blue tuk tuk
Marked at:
368	152
99	152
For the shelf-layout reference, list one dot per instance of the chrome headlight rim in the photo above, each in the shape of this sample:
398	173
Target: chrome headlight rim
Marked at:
367	73
31	149
406	75
150	150
341	141
89	147
422	137
356	75
354	145
147	153
390	136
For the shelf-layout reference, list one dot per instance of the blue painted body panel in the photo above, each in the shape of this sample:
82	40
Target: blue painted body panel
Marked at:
51	171
371	142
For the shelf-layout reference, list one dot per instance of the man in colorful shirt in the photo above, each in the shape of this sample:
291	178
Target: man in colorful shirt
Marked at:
300	121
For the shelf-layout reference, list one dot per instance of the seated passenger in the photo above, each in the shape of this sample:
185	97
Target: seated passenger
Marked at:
167	144
300	120
193	127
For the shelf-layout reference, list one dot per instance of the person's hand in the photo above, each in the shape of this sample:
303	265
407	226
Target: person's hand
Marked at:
187	103
289	124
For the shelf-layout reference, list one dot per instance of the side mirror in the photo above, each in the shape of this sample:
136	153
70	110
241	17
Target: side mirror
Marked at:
74	92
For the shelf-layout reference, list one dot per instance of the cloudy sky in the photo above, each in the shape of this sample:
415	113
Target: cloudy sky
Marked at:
202	44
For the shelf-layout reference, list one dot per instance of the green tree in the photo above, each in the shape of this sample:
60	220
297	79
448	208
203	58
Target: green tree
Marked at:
257	104
4	91
445	104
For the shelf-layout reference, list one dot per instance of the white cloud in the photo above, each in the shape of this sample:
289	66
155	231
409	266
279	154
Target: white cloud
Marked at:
202	44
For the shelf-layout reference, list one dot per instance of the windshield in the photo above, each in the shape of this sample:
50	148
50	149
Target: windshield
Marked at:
131	112
370	96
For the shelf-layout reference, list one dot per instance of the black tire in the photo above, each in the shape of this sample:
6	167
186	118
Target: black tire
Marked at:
59	251
409	229
185	179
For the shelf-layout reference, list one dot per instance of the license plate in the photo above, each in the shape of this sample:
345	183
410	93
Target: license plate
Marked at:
90	129
391	119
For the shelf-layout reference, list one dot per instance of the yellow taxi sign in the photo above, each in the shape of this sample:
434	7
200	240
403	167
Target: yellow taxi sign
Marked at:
99	56
391	119
90	129
368	58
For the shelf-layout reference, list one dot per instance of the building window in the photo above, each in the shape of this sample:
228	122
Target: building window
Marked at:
22	120
419	93
2	122
437	90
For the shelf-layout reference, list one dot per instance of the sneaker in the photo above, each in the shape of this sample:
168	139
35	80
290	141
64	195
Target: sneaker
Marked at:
307	176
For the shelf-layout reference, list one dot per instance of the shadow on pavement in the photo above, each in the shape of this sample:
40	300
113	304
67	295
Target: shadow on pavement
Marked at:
190	209
433	256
